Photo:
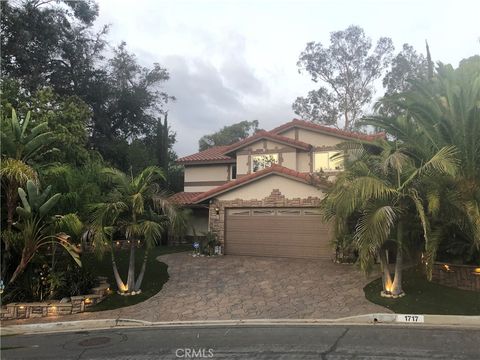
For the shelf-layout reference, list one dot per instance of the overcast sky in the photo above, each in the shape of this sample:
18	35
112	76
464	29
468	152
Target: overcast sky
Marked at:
236	60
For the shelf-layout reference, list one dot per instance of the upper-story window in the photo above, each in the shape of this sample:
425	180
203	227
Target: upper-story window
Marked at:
260	162
233	172
328	160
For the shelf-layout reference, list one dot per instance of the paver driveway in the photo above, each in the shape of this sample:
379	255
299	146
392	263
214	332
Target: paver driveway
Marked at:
241	287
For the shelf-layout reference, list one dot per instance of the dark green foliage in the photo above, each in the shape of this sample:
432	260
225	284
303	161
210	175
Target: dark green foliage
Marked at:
229	134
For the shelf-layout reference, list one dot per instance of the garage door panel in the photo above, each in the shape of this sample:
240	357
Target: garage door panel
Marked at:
302	236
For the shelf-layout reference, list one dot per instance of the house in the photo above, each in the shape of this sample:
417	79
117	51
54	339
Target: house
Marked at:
261	195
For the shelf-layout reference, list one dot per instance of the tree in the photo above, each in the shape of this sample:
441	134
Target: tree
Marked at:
445	111
346	70
406	66
67	118
36	229
137	210
382	189
21	144
229	134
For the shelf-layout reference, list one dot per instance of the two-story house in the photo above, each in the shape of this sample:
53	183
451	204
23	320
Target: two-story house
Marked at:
260	195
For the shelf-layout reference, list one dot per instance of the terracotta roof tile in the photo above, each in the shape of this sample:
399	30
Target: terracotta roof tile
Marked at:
278	169
326	129
268	135
215	153
183	198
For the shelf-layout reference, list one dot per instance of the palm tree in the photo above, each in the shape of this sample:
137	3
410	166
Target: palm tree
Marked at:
444	112
137	209
20	144
36	229
379	191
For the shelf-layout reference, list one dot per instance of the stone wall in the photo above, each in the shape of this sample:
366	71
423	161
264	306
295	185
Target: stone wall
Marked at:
67	306
275	199
459	276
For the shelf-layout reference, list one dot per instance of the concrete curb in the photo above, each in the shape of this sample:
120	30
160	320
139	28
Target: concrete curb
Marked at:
367	319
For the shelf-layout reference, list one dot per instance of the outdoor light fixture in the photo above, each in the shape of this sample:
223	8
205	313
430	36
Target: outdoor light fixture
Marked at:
476	271
217	211
88	301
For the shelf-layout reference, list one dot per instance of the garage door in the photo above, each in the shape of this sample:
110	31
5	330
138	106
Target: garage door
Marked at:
283	232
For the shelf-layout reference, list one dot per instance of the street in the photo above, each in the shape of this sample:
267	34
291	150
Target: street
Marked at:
250	342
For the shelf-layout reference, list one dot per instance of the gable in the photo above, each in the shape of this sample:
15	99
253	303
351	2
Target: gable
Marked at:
263	187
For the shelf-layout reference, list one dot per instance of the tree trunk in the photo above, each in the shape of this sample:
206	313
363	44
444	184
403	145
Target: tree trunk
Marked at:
131	268
397	282
386	277
120	285
20	268
138	283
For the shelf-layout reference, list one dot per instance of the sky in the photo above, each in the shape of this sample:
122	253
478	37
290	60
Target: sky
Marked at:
236	60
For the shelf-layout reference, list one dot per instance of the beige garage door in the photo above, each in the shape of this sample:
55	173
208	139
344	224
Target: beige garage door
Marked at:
283	232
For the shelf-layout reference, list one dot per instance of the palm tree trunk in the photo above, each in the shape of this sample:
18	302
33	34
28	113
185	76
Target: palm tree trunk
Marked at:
120	285
386	277
397	282
142	271
131	268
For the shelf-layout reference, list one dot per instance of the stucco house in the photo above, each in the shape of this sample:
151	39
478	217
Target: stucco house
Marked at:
261	195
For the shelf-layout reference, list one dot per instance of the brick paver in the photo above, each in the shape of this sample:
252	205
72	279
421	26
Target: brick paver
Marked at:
243	287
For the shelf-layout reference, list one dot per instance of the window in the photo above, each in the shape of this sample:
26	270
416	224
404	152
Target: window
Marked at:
324	161
308	212
288	212
238	212
260	162
263	212
234	172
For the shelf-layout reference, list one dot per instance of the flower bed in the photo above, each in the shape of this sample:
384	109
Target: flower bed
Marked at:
66	306
464	277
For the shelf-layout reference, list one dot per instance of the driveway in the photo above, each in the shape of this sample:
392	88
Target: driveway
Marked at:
244	287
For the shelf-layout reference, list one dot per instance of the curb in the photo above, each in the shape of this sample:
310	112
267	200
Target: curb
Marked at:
367	319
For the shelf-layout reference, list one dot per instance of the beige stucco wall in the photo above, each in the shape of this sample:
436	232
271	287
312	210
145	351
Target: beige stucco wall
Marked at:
242	164
206	173
198	188
303	161
262	188
313	138
289	160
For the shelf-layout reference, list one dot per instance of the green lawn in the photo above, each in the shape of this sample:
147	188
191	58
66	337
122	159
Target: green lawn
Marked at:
155	276
424	297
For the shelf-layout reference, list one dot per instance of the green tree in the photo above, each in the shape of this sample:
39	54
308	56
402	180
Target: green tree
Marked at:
229	134
445	111
407	65
136	209
21	144
346	70
36	228
381	189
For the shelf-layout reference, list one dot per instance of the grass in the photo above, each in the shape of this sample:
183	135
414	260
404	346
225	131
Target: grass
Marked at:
155	275
424	297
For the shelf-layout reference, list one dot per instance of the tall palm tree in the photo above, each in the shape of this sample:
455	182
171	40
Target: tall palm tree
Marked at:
20	145
379	191
445	111
138	210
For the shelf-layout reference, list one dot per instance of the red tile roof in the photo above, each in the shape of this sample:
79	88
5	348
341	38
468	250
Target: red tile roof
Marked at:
268	135
274	169
326	129
217	154
183	198
213	154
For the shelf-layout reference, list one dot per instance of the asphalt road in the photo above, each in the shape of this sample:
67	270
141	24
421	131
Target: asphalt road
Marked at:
250	342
